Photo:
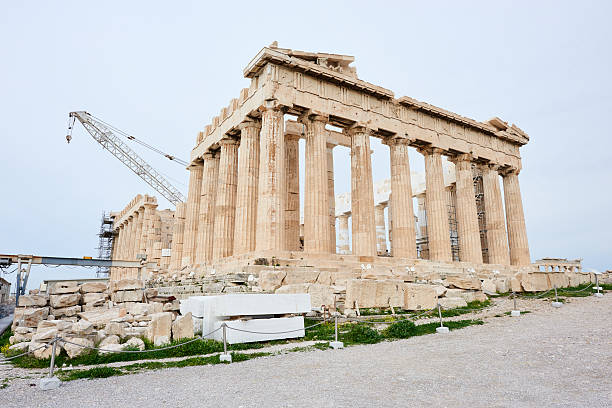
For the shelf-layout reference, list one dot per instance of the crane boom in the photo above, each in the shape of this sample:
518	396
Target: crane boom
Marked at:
103	134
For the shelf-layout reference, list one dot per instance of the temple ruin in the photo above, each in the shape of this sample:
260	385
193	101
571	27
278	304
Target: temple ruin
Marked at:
242	214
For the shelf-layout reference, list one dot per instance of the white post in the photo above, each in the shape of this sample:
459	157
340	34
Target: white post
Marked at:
225	357
51	382
441	329
336	344
515	312
556	303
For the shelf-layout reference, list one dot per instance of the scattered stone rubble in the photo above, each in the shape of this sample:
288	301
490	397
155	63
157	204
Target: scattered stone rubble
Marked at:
95	314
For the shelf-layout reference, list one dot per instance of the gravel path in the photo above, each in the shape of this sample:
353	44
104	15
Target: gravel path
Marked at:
550	357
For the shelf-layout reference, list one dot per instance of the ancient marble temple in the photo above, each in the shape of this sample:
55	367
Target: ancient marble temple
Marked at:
244	189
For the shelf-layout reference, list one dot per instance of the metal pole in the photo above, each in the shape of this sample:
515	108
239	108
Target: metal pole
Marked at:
52	364
514	298
556	297
336	327
597	282
224	339
440	314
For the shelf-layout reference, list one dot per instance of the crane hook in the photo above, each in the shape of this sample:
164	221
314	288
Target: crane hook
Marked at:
68	138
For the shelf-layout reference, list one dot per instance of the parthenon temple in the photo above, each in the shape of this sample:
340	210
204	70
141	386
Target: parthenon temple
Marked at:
244	205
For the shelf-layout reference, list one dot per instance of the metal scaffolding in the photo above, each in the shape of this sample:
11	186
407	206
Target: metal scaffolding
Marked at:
105	244
480	209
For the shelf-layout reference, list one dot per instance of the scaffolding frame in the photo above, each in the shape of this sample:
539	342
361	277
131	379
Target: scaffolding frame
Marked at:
480	210
106	238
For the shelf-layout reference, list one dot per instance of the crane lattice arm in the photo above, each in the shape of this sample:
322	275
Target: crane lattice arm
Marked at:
103	133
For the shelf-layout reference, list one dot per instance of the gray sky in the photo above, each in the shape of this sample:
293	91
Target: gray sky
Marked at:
162	70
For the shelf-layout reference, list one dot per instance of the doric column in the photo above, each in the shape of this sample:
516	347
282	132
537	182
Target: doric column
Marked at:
362	193
130	238
177	237
151	231
332	197
192	212
138	221
381	230
404	233
206	229
390	222
292	210
157	243
248	179
435	204
468	230
146	219
225	207
423	247
515	218
316	194
120	239
497	243
344	246
271	191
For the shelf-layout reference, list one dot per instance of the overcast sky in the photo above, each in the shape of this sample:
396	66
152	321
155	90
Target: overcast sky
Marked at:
162	70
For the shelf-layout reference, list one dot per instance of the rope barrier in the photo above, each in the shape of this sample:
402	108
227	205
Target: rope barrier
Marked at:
138	351
281	332
4	359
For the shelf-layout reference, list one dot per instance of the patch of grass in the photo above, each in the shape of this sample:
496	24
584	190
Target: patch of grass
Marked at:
458	311
430	328
324	331
360	334
96	372
400	330
4	340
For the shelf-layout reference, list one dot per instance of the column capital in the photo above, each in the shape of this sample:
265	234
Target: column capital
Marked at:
228	141
428	150
330	146
292	136
313	116
507	171
209	155
272	105
249	123
396	141
463	157
358	127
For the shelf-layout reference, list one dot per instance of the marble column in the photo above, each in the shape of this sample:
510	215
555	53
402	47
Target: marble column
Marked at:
381	230
157	244
362	193
515	219
344	246
151	231
146	219
138	218
404	232
192	213
248	179
209	190
316	193
130	238
270	235
422	226
435	204
177	237
292	210
468	230
332	197
225	207
497	242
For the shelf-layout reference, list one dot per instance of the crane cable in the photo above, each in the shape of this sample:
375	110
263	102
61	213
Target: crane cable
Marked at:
127	136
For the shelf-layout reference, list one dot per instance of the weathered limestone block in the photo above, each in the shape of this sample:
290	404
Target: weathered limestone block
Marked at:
419	297
324	278
300	276
66	311
463	282
173	306
45	335
321	295
161	327
60	301
467	295
60	288
294	288
93	287
340	278
99	318
21	337
94	297
74	350
127	296
82	328
534	282
182	328
576	279
21	347
440	290
502	285
127	284
44	352
377	274
144	308
116	328
112	339
452	302
110	348
271	280
489	286
32	301
371	293
53	324
515	283
560	280
31	317
135	342
151	292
